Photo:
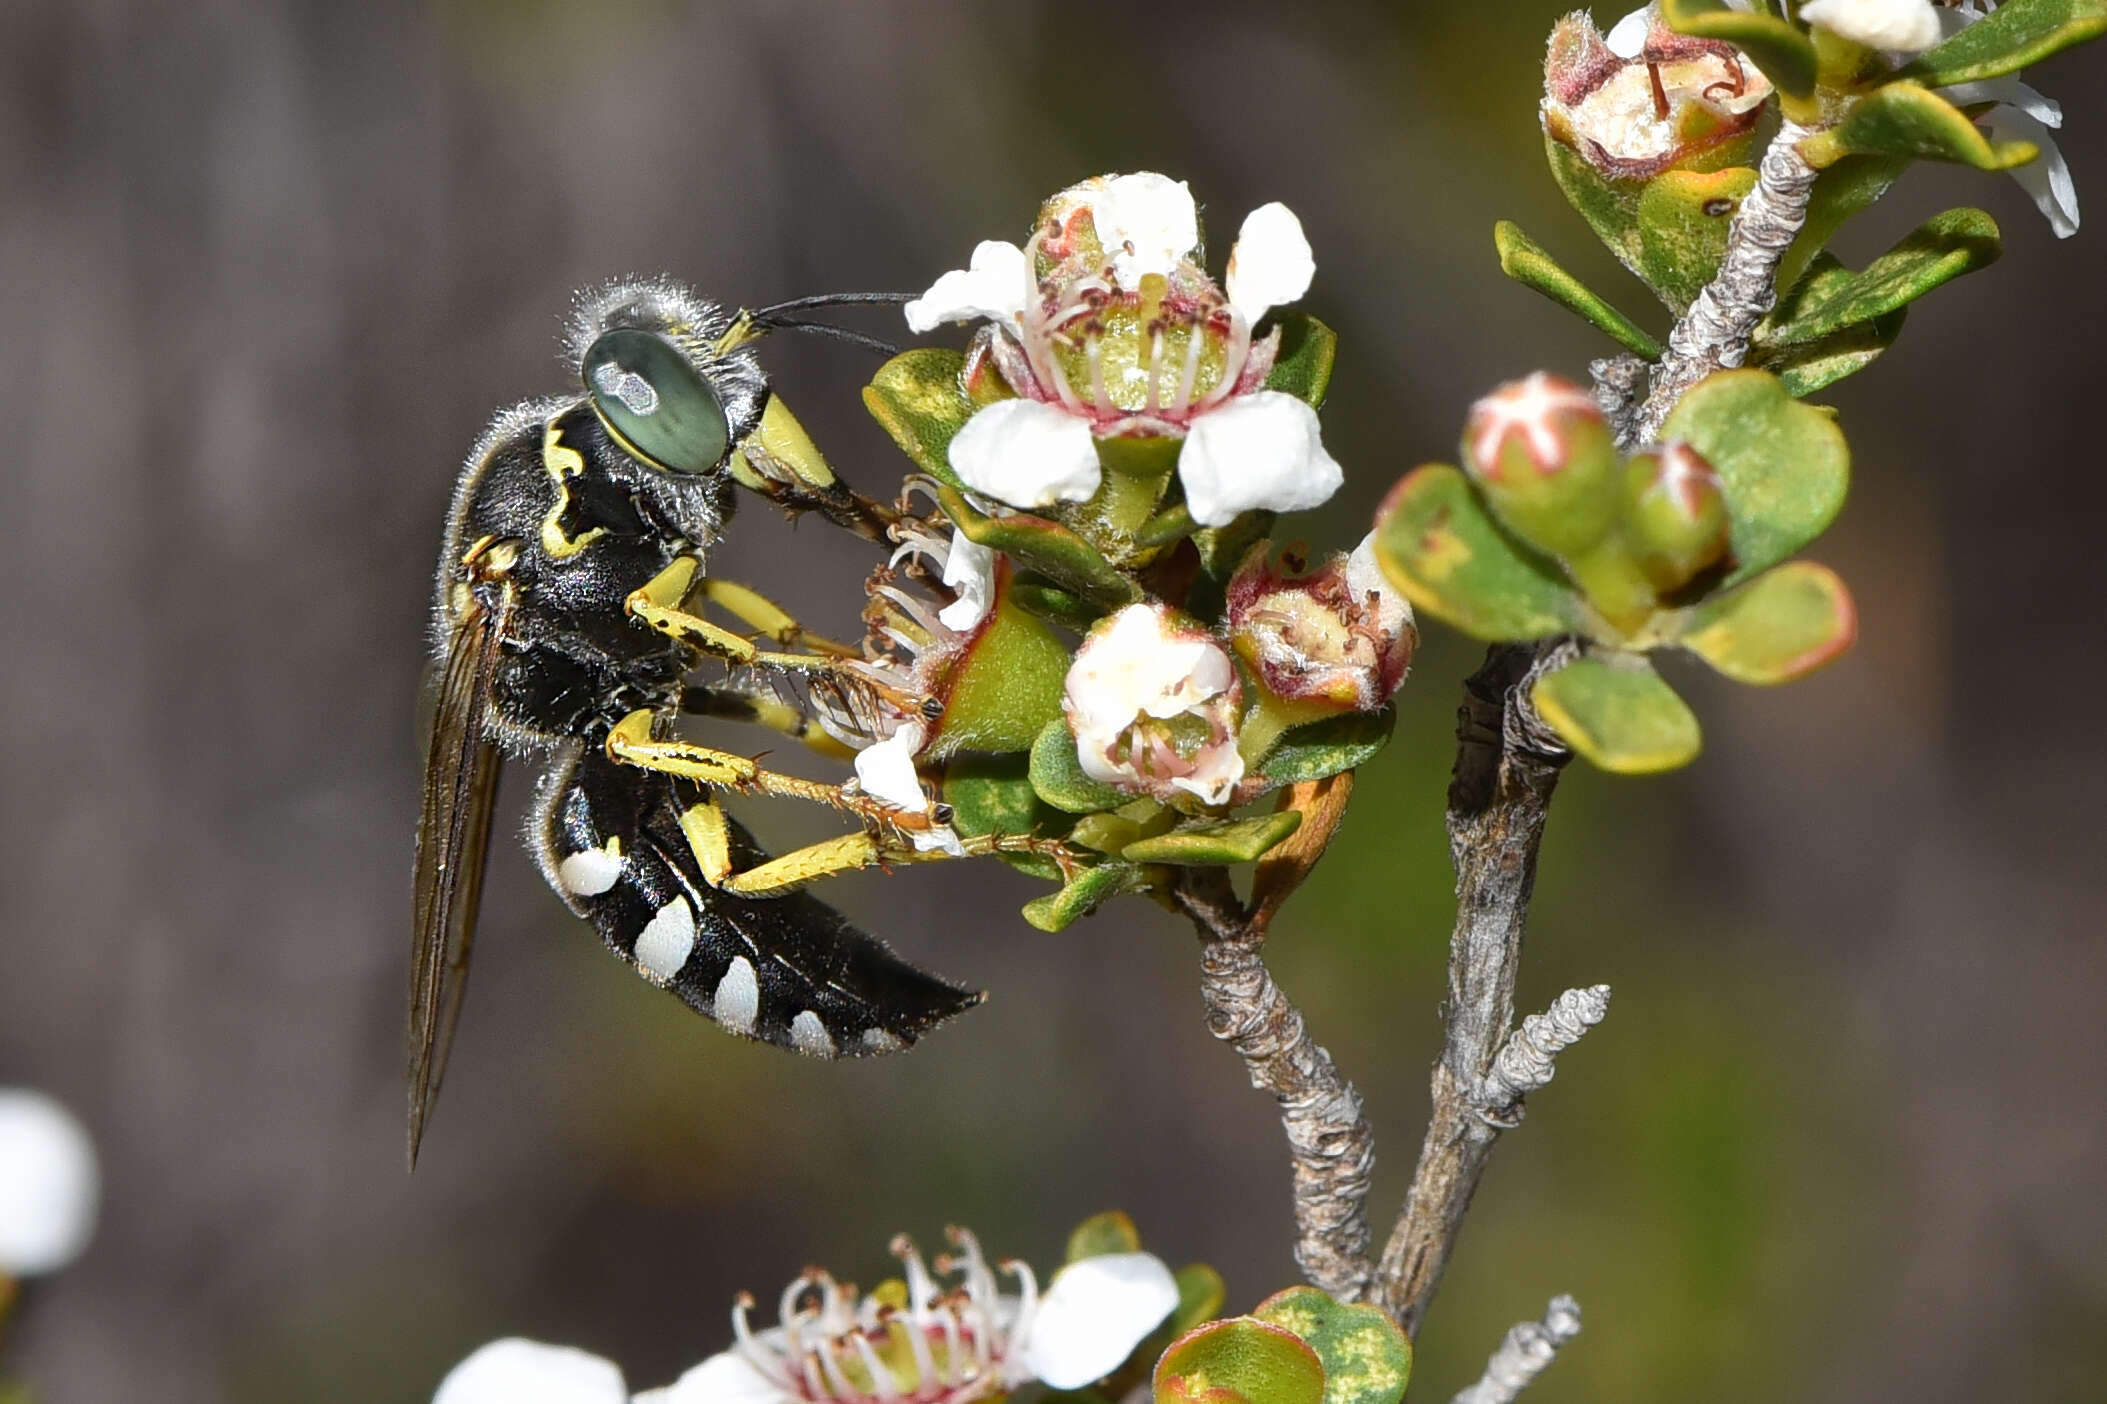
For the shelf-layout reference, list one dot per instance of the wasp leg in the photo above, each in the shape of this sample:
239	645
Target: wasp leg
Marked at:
730	704
631	743
771	619
708	831
888	835
658	602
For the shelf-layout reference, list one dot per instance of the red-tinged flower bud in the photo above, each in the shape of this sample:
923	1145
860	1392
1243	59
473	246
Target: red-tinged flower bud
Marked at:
1337	639
1665	101
1675	514
1546	460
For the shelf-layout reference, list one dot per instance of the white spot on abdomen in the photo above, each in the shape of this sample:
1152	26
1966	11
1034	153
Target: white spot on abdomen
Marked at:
589	872
662	947
883	1041
737	1002
810	1037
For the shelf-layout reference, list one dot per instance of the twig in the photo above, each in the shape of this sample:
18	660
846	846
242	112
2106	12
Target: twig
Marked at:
1507	764
1524	1062
1329	1140
1714	333
1525	1353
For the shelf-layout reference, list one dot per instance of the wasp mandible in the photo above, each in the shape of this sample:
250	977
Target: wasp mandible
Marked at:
569	613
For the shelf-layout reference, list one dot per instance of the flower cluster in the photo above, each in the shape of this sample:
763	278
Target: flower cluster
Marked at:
49	1185
913	1341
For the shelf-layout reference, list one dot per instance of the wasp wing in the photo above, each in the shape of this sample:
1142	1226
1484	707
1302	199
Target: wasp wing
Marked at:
453	839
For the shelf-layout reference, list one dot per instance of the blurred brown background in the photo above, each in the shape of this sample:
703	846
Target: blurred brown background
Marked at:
265	269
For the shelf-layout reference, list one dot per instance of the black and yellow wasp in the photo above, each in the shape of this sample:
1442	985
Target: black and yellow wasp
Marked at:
568	619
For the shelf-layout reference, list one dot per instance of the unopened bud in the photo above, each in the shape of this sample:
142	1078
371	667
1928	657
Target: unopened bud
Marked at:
1546	460
1675	513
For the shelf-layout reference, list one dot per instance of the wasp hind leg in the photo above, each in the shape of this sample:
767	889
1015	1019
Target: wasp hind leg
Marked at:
623	846
889	834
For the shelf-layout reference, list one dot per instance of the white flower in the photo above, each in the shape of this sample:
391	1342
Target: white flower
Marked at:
996	284
1092	356
1153	703
1896	26
49	1184
944	1346
1027	454
516	1371
1258	450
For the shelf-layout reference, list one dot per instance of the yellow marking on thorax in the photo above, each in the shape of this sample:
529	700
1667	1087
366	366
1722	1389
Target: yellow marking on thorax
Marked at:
563	463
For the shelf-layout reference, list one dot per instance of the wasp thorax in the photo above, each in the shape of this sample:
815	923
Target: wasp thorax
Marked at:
655	403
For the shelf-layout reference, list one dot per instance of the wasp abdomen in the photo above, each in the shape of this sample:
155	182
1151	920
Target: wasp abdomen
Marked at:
787	970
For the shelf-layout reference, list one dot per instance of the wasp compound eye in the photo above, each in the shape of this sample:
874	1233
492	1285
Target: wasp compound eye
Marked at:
655	403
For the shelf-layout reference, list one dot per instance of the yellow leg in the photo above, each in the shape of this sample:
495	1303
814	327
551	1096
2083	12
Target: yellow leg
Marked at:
770	618
730	704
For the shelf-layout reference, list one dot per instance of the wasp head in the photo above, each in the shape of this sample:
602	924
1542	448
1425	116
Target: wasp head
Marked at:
672	391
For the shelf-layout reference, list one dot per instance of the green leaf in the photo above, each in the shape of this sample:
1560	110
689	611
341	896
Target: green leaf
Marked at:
1611	207
1035	594
1007	689
1204	845
1684	217
1090	888
2012	36
1620	715
1785	465
1320	748
1785	55
1439	545
1200	1294
1523	260
1102	1234
1903	119
1303	368
1251	1359
994	795
917	397
1941	249
1045	547
1780	626
1841	191
1819	364
1058	776
1367	1358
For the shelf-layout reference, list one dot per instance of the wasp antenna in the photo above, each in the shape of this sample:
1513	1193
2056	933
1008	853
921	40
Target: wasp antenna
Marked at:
806	304
855	338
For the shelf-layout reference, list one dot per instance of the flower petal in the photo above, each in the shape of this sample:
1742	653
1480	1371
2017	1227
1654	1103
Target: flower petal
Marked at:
517	1371
997	284
1628	35
885	771
2012	93
970	570
1147	224
1271	264
2046	179
1095	1311
725	1378
1263	450
1896	26
48	1184
1027	454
